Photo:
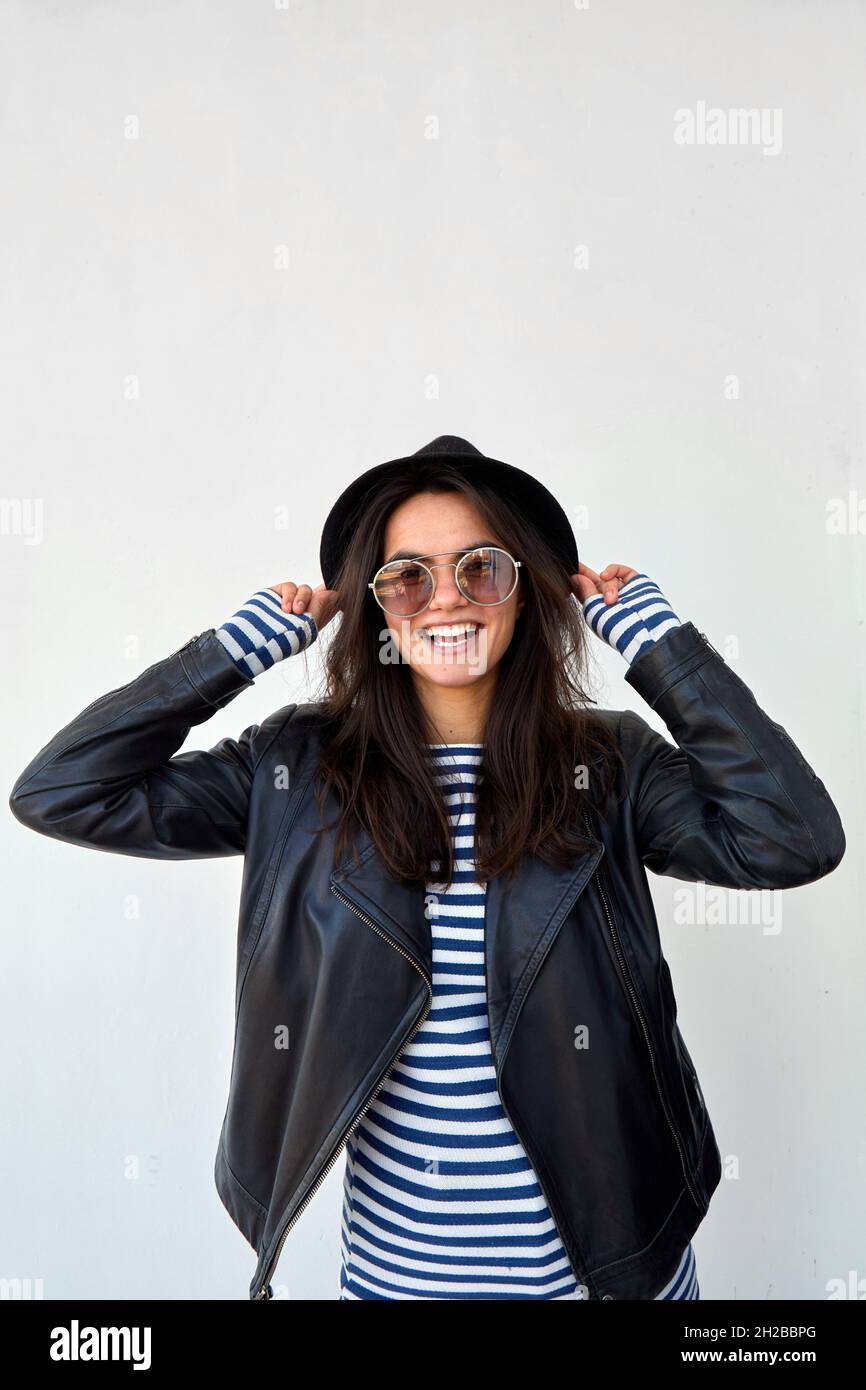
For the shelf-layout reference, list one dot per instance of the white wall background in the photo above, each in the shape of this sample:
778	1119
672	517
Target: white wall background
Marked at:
171	379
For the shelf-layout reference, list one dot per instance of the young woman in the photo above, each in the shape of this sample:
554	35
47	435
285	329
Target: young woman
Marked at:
448	961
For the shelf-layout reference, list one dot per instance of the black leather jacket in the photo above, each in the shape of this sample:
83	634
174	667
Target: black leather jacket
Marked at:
337	960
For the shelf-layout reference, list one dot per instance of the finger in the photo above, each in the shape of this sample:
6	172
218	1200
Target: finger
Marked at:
302	598
586	582
324	604
584	588
287	593
621	572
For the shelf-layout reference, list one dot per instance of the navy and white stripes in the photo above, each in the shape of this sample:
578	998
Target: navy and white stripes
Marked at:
439	1197
640	616
260	633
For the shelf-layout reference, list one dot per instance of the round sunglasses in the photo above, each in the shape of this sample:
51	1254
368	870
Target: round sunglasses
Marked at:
404	588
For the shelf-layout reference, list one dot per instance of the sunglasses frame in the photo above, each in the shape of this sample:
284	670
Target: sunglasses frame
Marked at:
455	565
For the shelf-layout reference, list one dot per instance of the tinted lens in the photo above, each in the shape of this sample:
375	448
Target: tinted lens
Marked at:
487	576
403	588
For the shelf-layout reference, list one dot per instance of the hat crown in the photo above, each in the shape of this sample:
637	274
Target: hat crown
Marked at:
537	503
449	444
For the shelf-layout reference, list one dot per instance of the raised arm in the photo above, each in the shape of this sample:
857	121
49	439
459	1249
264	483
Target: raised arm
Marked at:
112	778
732	802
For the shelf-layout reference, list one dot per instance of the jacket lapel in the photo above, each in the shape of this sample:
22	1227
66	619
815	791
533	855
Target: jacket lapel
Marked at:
398	909
520	923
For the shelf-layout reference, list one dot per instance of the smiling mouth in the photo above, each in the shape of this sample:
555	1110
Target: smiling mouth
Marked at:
451	637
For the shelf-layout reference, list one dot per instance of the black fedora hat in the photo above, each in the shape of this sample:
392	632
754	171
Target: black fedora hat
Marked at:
536	503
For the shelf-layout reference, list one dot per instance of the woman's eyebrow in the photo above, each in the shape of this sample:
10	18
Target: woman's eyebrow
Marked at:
414	555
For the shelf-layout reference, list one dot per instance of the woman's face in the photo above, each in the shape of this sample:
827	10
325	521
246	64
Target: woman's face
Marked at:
443	525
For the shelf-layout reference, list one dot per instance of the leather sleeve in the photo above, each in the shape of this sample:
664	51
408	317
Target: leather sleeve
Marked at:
108	779
734	803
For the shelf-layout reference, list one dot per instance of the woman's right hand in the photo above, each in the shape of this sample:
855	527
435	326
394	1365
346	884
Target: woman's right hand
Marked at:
322	602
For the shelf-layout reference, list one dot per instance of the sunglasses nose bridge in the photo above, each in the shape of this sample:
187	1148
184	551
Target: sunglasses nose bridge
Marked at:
444	564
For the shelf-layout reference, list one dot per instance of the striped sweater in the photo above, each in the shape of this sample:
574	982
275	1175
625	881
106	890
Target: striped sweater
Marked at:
640	616
260	634
440	1199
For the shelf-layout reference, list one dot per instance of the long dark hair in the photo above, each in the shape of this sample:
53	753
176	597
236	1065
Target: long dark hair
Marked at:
539	729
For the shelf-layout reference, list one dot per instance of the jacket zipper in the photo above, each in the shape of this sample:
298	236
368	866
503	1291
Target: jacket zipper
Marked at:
626	975
265	1285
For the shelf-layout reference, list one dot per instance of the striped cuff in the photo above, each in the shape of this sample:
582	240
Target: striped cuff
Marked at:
261	634
640	616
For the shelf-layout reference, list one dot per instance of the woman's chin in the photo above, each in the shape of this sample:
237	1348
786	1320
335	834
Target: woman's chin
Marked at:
450	674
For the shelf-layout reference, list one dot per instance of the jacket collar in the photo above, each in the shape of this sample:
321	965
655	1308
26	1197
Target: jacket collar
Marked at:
521	920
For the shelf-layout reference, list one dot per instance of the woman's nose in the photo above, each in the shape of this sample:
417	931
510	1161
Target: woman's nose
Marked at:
447	592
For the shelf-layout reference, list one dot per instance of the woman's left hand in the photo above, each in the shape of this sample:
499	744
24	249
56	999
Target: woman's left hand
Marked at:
586	583
624	607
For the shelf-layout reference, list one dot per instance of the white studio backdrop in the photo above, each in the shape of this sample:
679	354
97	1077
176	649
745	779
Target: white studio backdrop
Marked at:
249	252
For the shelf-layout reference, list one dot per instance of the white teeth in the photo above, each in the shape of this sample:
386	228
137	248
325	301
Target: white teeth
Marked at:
456	636
453	631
